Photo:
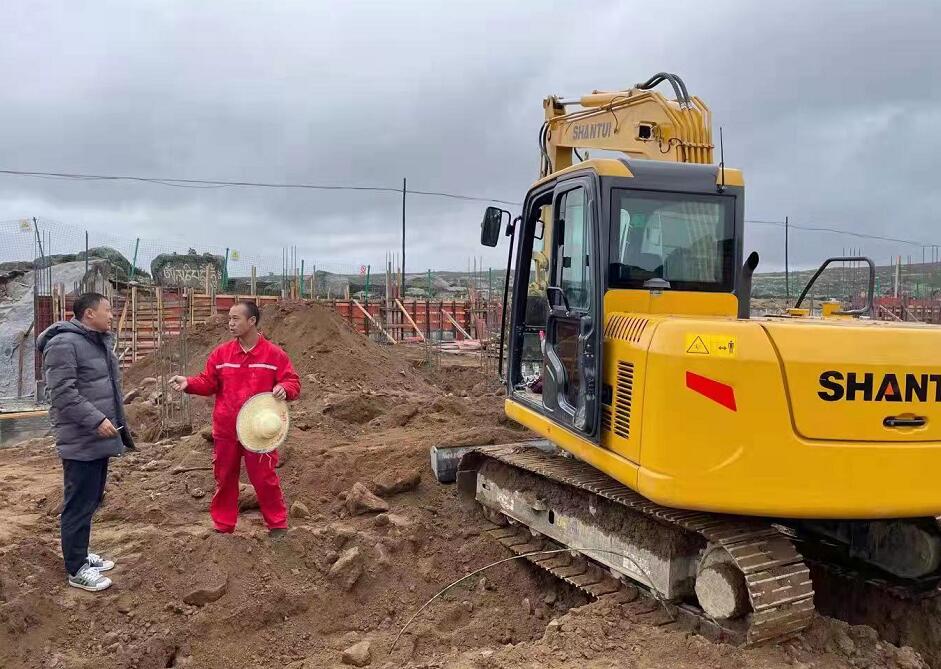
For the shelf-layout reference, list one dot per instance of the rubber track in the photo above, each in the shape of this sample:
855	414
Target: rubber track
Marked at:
778	581
928	588
581	573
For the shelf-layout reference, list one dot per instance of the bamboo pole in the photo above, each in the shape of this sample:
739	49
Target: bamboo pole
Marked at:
405	313
254	281
373	321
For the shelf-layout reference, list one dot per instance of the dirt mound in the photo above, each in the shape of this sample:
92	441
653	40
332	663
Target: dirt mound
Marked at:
326	353
344	375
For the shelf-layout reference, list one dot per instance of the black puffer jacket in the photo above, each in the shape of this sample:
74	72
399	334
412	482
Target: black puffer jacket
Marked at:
83	385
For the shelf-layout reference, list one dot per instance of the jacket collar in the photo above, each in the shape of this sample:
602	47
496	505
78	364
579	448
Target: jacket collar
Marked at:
258	347
94	335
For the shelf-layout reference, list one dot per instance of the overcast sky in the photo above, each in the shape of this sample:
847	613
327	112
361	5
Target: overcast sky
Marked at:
833	109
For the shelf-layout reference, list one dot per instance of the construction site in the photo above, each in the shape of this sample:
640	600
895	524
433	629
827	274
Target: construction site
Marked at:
606	415
373	537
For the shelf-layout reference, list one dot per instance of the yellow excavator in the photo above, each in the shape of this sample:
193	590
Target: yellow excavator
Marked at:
699	451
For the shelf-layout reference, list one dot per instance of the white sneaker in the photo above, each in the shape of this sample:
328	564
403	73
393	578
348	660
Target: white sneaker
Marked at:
89	579
99	563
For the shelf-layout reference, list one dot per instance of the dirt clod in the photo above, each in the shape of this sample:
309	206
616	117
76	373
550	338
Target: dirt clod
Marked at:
202	595
907	658
392	483
348	568
299	510
359	500
358	655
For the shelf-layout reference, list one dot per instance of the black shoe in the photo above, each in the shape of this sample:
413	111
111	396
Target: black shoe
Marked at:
277	532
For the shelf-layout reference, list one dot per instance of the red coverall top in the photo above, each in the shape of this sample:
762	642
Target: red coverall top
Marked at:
234	375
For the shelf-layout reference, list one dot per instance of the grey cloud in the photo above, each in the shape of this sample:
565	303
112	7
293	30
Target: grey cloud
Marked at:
829	107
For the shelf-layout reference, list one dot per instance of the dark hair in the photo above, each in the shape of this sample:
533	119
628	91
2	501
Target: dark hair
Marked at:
252	310
86	301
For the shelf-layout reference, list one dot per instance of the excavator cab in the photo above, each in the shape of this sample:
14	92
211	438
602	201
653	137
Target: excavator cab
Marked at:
620	226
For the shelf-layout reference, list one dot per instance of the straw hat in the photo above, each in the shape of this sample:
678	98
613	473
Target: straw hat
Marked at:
262	423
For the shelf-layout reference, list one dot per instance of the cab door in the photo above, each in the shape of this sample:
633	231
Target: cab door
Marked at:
572	353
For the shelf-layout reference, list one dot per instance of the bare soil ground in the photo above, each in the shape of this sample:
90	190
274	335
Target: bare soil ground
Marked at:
338	588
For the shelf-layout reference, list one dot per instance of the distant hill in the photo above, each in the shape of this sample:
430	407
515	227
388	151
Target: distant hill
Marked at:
838	281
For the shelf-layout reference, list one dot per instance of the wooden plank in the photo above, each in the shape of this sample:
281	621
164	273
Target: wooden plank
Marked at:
12	415
21	426
456	324
22	347
117	337
409	319
371	320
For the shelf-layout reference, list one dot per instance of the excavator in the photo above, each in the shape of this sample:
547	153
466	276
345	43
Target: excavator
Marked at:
686	446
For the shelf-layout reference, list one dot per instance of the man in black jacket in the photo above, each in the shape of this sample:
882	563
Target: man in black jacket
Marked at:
83	384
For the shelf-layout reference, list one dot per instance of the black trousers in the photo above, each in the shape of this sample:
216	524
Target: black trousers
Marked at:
84	488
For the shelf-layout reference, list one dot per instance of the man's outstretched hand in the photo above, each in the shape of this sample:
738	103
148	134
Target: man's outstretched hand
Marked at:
279	392
179	383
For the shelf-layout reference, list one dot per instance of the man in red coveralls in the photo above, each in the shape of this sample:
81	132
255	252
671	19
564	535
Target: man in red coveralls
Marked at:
235	371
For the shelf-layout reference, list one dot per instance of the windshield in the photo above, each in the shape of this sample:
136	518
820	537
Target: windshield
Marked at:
687	240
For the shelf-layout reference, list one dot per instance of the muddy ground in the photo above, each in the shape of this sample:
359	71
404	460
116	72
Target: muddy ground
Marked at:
372	538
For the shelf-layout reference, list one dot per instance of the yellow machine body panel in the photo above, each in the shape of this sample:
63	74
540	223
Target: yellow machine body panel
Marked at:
844	380
670	302
716	414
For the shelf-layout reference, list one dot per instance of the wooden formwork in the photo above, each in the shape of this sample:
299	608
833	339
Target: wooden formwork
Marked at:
149	314
908	309
418	320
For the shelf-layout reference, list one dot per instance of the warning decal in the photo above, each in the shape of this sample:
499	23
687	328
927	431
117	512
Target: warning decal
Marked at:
715	345
698	346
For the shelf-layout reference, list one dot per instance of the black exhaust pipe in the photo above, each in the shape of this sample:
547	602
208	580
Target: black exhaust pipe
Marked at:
744	285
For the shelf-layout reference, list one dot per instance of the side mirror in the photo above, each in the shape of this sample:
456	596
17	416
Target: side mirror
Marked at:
490	226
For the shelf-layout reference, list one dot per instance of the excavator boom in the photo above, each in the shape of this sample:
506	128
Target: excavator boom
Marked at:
638	122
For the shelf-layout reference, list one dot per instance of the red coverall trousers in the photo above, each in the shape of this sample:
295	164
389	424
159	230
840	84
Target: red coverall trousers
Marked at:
233	376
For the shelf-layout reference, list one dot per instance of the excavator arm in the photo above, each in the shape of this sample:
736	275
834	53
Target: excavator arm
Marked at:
639	122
